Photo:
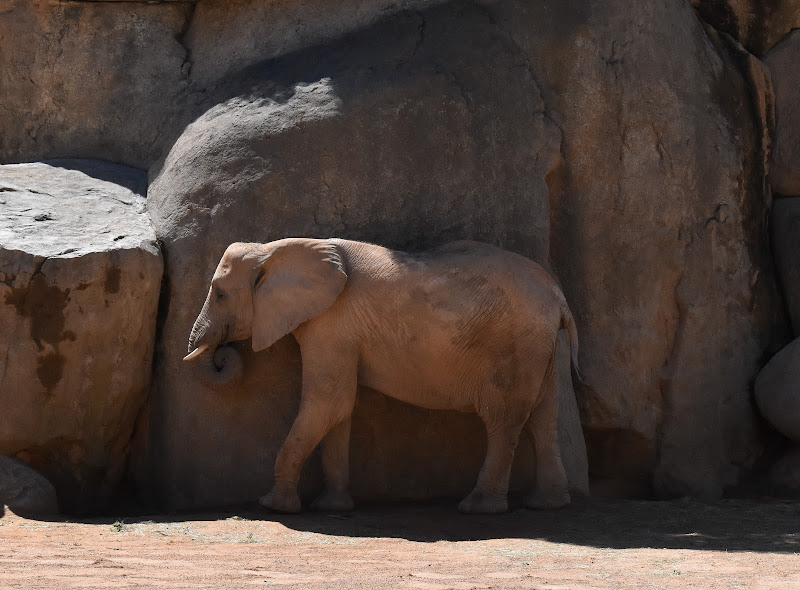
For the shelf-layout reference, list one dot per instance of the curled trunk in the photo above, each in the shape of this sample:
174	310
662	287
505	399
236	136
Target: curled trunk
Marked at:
223	368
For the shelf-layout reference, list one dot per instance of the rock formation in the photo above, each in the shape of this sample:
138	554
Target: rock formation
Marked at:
404	146
632	147
80	274
662	250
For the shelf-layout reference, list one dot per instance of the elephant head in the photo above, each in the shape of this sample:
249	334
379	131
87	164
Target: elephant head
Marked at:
263	292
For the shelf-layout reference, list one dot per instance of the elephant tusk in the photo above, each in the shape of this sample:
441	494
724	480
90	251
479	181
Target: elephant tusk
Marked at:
196	352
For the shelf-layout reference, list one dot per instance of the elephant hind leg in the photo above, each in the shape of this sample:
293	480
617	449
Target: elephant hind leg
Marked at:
336	469
551	489
490	495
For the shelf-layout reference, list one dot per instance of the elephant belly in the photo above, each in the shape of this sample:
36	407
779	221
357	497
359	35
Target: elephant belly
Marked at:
421	382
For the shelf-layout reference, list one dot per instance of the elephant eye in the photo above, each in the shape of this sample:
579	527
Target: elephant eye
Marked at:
220	294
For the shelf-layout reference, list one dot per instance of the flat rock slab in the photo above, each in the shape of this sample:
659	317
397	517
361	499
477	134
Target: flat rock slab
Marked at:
70	208
80	274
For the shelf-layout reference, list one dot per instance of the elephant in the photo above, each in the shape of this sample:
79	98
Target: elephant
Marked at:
466	326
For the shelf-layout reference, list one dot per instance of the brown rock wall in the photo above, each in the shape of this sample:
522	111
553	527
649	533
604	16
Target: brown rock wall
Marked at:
90	79
659	234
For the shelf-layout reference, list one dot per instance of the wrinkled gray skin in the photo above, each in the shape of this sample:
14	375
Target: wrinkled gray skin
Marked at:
464	327
224	368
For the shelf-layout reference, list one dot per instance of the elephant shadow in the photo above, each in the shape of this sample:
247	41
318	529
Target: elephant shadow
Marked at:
724	525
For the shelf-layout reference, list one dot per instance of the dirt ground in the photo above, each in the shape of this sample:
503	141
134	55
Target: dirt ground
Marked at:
592	544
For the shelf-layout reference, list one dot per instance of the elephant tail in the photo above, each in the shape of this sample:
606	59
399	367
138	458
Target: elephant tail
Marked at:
568	323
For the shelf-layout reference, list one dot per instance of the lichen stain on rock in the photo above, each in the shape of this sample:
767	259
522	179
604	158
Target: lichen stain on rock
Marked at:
50	369
113	275
44	304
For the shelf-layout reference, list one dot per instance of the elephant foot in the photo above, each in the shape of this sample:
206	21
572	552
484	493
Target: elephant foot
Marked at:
285	503
480	503
547	500
332	501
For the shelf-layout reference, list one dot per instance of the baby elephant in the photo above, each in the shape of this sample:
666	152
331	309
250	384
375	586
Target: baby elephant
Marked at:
466	327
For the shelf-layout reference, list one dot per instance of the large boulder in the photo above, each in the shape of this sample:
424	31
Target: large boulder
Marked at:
782	60
91	79
658	233
777	391
24	490
397	135
623	143
80	274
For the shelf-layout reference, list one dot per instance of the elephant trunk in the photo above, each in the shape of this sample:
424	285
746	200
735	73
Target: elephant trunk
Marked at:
200	336
198	342
223	368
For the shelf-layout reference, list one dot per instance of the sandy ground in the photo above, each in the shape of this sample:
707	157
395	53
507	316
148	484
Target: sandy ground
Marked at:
592	544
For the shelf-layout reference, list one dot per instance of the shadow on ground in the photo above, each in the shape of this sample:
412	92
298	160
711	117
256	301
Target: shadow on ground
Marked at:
726	525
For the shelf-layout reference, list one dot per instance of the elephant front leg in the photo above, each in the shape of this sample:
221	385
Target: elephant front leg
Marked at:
307	430
336	469
329	391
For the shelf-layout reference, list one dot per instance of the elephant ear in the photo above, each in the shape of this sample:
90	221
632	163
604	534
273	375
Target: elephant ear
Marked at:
298	281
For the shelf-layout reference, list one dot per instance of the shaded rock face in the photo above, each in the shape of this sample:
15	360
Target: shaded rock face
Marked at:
228	35
24	490
92	79
396	136
112	79
786	249
80	274
784	173
626	149
758	24
785	473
